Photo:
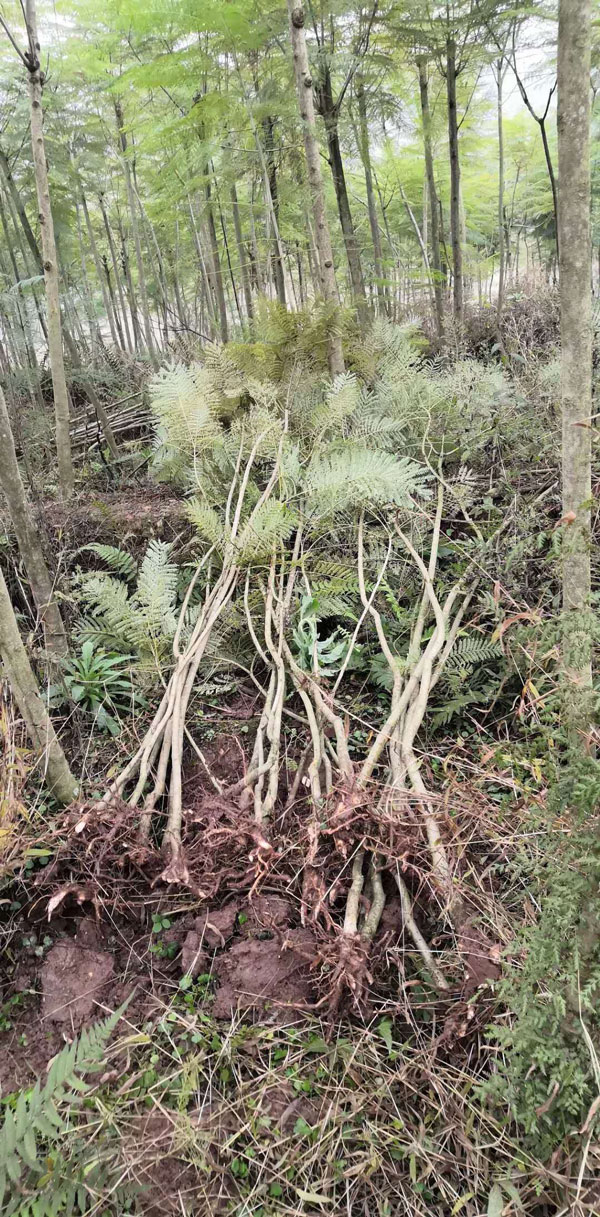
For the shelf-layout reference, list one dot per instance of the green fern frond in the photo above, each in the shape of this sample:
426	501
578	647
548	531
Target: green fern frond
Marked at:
36	1124
454	706
354	476
156	590
269	526
185	403
470	651
206	520
118	559
378	431
341	400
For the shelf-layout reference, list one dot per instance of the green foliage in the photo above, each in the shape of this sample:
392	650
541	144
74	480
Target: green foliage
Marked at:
548	1075
100	683
356	476
117	559
324	656
47	1166
470	652
139	621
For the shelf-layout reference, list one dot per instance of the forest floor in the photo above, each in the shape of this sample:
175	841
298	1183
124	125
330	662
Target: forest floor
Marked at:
235	1082
250	1072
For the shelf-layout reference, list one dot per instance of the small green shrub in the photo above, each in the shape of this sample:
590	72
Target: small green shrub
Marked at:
100	683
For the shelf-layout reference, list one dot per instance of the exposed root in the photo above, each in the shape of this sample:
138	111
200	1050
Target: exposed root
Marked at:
412	928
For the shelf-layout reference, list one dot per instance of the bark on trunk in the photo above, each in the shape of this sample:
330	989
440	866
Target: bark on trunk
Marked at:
49	257
365	155
271	168
239	240
217	271
436	253
22	681
27	534
574	38
330	116
457	253
135	232
501	239
304	88
115	264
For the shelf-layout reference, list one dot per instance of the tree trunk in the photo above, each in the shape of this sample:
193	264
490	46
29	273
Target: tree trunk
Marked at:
20	209
239	240
501	240
22	681
365	156
55	346
271	168
217	272
129	288
135	232
457	253
23	313
100	276
115	264
210	304
551	175
574	39
436	255
330	116
313	163
28	540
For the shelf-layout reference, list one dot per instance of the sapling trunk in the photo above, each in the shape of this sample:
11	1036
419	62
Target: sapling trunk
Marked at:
28	538
304	89
49	256
17	667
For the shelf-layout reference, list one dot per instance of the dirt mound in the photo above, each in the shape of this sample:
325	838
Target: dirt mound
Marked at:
261	974
115	516
212	929
74	976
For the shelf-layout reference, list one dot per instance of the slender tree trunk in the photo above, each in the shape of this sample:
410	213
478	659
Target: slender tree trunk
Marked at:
135	232
217	275
552	176
365	156
96	339
27	534
210	304
130	290
227	253
574	50
106	299
436	254
239	240
20	209
115	264
304	88
271	173
30	250
55	346
29	347
330	116
501	240
107	281
161	275
22	681
455	225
